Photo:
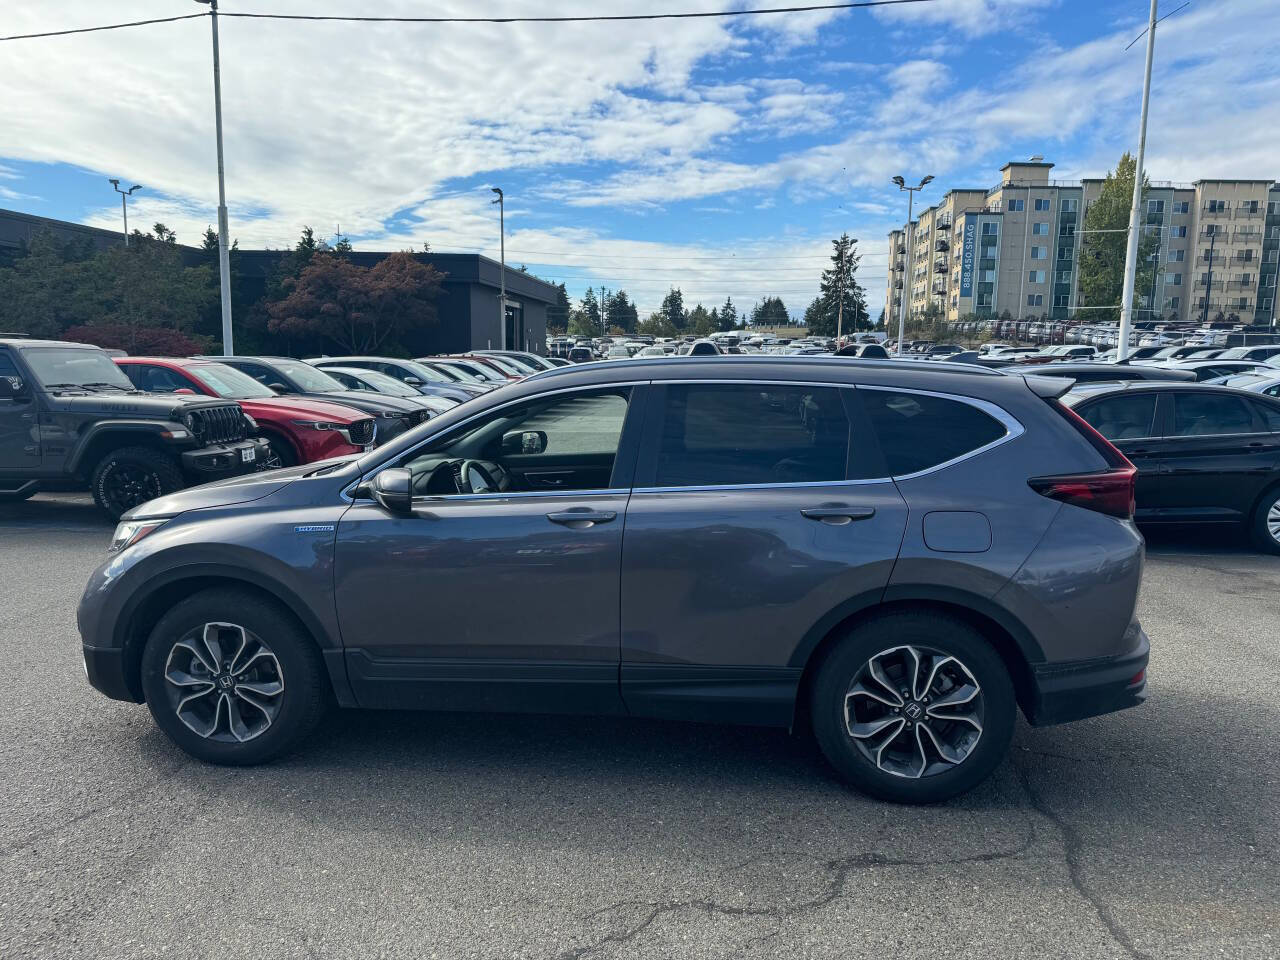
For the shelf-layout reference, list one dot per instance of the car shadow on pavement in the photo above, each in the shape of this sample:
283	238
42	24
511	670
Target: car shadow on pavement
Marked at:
55	512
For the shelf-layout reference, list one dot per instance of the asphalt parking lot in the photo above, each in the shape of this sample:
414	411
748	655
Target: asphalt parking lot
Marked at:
1150	833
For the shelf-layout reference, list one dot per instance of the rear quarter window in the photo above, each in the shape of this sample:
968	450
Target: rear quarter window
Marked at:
917	431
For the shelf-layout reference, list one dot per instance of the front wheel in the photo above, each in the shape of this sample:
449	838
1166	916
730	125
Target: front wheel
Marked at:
913	707
1266	522
232	679
131	476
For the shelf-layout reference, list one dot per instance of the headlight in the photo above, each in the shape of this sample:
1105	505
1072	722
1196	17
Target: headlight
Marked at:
318	424
130	532
392	415
189	422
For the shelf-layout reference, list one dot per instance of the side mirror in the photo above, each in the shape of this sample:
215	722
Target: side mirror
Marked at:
413	381
12	388
277	386
524	442
393	490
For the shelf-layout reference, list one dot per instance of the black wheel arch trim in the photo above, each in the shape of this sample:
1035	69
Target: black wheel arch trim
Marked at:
154	429
330	646
898	593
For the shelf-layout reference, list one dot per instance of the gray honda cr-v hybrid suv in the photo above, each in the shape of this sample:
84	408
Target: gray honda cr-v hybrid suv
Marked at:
898	555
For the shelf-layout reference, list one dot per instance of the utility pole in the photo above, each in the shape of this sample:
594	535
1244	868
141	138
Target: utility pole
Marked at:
224	256
124	204
1208	286
502	278
911	240
1131	253
840	308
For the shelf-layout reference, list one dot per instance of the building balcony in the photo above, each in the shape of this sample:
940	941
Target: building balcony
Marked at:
897	284
1209	213
900	264
1201	285
1244	256
939	288
901	248
940	266
942	244
944	222
1247	212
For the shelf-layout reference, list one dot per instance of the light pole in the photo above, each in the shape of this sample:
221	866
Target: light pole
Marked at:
906	276
124	204
502	276
1131	252
224	259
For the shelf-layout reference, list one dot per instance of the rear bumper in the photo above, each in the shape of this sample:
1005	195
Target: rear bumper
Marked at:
221	460
1087	688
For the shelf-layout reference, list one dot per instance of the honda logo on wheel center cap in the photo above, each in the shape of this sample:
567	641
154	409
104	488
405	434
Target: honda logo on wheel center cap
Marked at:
225	681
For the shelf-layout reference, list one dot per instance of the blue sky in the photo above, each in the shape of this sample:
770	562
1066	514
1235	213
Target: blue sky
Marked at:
717	155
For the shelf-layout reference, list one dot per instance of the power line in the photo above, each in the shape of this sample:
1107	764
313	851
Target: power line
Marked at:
701	14
110	26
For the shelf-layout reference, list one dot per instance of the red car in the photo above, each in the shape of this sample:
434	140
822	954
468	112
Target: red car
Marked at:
298	430
499	365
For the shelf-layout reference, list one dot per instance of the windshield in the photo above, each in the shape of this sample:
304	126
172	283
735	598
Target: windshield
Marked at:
308	377
504	364
385	384
1235	353
229	383
70	367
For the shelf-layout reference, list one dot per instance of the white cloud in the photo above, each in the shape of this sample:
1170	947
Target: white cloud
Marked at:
971	17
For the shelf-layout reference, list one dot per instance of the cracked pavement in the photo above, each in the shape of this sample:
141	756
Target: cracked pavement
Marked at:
1153	833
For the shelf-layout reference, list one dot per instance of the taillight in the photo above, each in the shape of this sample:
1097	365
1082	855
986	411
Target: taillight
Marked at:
1107	491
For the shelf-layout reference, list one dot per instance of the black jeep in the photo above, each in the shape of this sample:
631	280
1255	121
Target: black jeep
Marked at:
70	419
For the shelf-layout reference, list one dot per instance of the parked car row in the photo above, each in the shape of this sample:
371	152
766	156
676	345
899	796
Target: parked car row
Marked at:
73	415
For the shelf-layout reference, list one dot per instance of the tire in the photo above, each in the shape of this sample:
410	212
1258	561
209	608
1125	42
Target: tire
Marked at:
933	636
130	476
280	453
292	660
1265	524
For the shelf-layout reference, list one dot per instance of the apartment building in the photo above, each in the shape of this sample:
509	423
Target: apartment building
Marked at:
1016	247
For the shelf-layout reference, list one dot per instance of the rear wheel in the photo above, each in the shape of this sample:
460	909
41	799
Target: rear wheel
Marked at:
1266	522
232	679
913	707
130	476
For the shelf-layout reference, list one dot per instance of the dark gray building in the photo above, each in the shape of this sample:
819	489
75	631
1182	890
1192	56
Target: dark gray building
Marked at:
468	304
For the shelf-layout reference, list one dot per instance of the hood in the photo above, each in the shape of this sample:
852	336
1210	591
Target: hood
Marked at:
147	406
369	402
299	407
226	493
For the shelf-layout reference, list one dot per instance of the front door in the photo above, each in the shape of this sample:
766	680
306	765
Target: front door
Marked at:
743	532
19	426
500	591
1217	455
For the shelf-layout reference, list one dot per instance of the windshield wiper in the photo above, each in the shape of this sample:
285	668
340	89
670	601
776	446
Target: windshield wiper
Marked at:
69	386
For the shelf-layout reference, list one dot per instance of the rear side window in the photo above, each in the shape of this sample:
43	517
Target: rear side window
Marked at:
1122	417
917	431
1210	414
726	434
1270	413
7	367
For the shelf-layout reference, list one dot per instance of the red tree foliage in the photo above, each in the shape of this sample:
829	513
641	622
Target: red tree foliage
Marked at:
359	308
140	341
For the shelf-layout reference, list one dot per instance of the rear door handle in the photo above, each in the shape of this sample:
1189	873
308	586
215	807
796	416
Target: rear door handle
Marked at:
581	518
837	514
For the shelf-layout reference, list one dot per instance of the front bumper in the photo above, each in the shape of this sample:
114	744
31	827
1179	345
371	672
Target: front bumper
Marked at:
104	666
218	461
1088	688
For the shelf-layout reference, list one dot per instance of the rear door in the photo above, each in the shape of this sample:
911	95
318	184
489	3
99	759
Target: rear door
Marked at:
743	532
1217	454
1128	420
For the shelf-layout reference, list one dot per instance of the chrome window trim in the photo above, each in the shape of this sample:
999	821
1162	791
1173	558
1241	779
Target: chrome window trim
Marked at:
347	490
1013	427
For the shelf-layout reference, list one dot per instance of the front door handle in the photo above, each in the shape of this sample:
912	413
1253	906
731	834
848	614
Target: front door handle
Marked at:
581	518
837	514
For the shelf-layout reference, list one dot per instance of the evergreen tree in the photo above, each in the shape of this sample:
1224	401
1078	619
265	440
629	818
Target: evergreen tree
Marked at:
839	288
1102	254
558	312
770	312
672	309
620	312
591	317
728	319
700	322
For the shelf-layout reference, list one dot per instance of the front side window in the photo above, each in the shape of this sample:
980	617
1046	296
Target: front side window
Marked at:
155	379
735	434
918	431
1209	414
1123	417
545	444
